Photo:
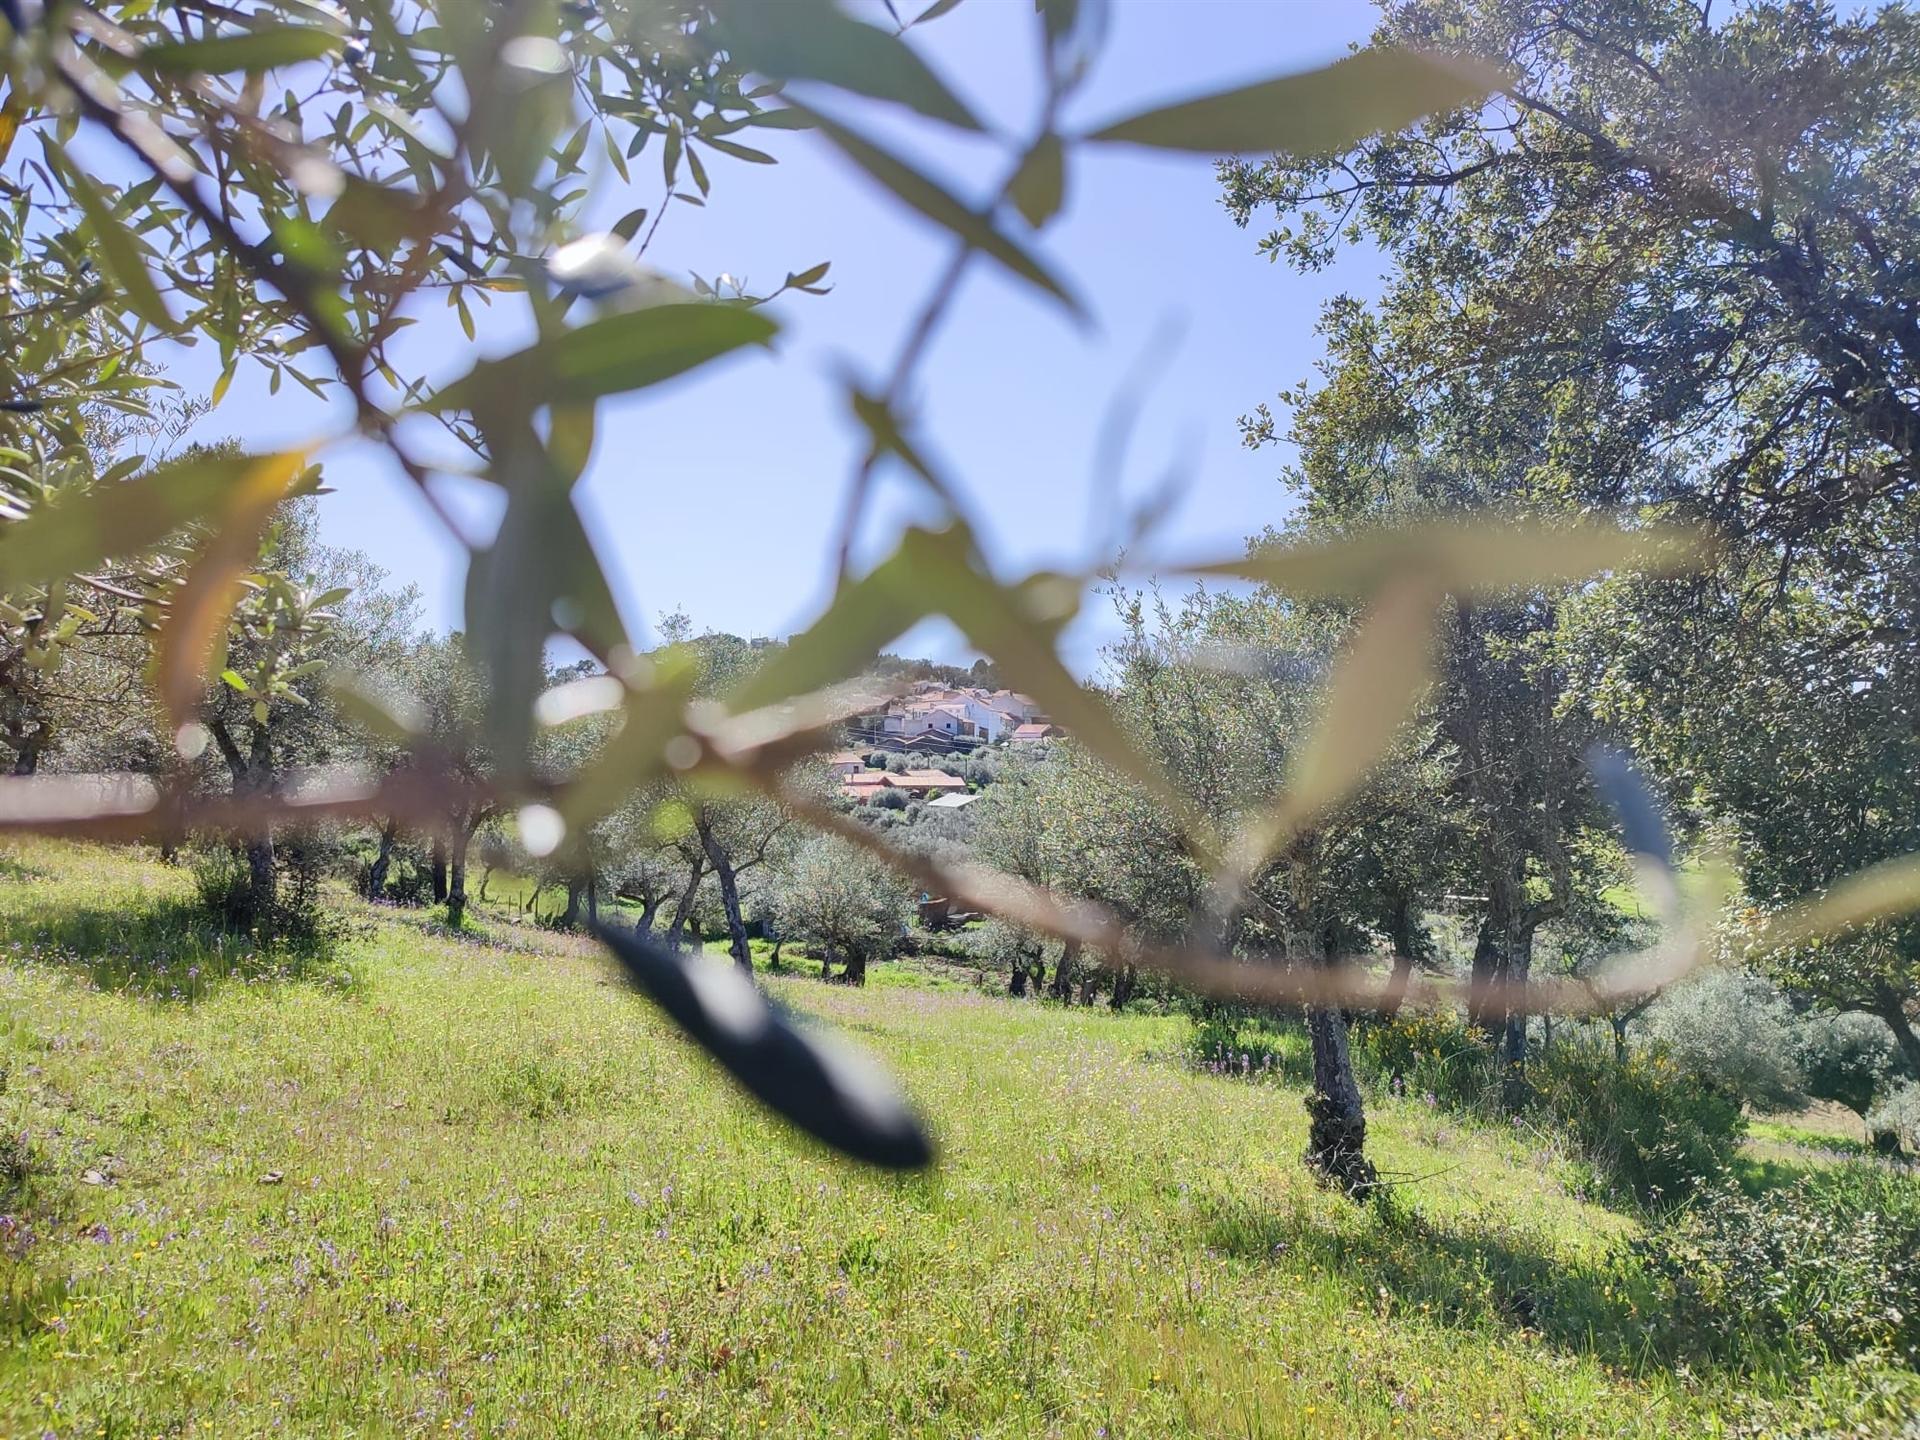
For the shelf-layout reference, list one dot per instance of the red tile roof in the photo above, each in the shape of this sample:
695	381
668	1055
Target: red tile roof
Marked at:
931	780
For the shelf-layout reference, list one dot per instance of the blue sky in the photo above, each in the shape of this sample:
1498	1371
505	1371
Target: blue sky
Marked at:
720	493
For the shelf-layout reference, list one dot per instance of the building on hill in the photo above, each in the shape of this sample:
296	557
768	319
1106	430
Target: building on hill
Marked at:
863	785
930	782
1035	730
963	715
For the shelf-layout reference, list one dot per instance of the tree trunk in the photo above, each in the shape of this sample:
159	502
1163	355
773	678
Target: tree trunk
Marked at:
1123	984
593	900
1017	984
457	886
854	972
438	864
1500	936
1088	985
377	872
260	880
1889	1008
570	916
1337	1128
260	857
1502	961
1063	972
1404	932
722	864
649	907
26	751
677	926
826	962
1337	1121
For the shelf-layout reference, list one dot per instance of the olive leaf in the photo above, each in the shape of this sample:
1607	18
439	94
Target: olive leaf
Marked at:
1373	688
941	206
611	356
1880	892
63	537
847	638
1484	555
197	612
1018	626
119	250
816	40
1626	793
539	576
255	50
1314	112
1039	186
832	1092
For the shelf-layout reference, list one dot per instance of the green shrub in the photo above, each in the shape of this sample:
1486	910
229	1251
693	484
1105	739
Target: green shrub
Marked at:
1898	1114
1847	1057
1429	1054
1736	1032
297	915
1645	1123
1829	1263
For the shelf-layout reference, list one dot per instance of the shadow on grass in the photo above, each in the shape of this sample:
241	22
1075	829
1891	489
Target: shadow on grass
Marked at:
168	949
1484	1277
481	930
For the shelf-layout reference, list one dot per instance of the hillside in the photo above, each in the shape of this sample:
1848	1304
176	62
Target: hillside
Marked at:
443	1185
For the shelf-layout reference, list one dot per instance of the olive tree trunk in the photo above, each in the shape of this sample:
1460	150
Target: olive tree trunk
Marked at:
1894	1012
723	871
1337	1122
1062	988
676	928
377	872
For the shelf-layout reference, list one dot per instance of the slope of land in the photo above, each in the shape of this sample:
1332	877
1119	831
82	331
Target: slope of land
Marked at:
445	1185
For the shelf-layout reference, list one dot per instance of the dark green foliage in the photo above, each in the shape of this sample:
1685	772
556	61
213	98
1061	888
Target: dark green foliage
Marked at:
1830	1263
1736	1032
297	915
1847	1058
1648	1127
900	667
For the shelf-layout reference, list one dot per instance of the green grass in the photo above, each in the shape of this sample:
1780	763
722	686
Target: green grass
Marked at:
448	1185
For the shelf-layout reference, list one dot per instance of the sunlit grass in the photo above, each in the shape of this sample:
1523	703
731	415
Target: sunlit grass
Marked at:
483	1190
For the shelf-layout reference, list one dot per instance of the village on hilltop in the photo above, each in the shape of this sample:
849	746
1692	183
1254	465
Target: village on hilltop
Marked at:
934	718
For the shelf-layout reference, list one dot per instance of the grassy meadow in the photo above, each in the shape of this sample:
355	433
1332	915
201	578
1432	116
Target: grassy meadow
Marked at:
441	1184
